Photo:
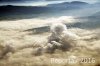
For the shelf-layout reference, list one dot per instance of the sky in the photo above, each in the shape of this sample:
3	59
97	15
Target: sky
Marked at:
39	2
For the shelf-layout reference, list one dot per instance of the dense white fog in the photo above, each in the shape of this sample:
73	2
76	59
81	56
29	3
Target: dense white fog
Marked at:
20	43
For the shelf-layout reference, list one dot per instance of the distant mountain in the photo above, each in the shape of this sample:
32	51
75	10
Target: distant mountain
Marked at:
10	12
73	4
11	0
65	8
18	10
22	9
16	0
97	4
88	22
93	21
96	15
78	2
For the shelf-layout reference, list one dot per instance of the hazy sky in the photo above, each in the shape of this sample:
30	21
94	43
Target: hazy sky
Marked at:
52	0
39	2
76	0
